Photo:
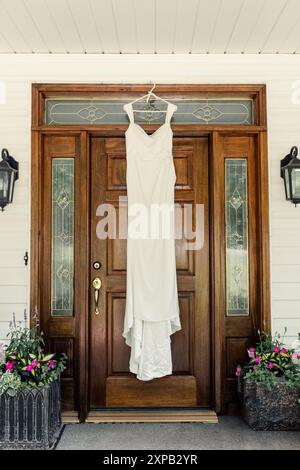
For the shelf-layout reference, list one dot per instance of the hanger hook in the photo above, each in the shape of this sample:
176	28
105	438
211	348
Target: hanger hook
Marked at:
149	93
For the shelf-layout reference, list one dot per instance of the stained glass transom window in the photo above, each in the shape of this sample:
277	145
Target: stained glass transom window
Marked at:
62	236
236	212
189	111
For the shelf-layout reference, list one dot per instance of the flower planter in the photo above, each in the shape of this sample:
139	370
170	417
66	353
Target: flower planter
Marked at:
270	410
31	419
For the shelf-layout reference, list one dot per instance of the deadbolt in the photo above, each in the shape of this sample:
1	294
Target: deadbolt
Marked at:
97	265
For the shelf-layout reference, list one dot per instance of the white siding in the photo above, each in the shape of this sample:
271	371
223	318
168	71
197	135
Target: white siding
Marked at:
278	72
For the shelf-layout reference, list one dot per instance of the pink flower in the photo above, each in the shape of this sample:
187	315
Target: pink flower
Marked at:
251	352
257	360
29	367
284	351
35	363
270	365
276	349
52	363
10	365
238	371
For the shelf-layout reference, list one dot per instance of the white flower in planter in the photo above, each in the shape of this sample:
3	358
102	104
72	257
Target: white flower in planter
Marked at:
296	354
2	351
295	358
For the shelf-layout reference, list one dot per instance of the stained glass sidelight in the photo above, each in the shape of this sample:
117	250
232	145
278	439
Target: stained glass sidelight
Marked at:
62	236
236	212
110	111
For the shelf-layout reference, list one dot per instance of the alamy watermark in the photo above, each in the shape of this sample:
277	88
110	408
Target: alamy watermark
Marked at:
2	92
153	221
296	92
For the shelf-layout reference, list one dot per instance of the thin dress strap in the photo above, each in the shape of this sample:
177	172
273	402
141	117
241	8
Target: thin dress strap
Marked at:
170	110
129	110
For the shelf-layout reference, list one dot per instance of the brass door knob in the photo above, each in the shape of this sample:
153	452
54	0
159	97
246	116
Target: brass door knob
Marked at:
97	283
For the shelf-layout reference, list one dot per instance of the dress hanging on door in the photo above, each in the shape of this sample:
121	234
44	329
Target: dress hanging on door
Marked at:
152	309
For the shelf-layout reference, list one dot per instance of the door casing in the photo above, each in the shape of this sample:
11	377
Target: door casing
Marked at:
216	135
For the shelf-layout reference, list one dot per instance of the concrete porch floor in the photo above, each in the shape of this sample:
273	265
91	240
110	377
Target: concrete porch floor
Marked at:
230	433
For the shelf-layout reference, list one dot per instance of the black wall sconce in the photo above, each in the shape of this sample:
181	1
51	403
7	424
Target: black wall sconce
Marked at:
290	172
9	173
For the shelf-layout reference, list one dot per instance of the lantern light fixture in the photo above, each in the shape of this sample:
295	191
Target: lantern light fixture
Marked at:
290	172
9	173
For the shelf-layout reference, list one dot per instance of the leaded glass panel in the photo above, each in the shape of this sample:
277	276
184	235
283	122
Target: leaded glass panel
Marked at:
236	212
62	236
296	183
190	111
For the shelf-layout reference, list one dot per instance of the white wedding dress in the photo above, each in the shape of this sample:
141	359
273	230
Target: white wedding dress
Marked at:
152	308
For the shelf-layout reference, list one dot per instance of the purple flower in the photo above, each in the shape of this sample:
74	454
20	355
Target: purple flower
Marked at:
283	350
10	365
257	360
52	363
29	367
251	352
270	365
35	363
238	371
276	349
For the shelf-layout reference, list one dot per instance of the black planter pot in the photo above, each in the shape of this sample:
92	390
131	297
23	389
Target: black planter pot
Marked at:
270	410
31	419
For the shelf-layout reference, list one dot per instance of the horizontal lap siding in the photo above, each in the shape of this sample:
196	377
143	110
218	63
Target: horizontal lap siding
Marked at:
15	124
278	72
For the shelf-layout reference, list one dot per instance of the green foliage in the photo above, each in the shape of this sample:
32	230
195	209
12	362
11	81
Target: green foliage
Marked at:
293	378
24	341
263	376
24	362
9	383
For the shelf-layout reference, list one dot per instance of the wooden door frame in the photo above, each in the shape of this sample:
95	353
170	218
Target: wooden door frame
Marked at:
40	92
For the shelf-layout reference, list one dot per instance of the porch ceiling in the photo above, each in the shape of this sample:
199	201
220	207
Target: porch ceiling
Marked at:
150	26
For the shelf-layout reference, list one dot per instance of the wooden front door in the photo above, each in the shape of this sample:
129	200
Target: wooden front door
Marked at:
110	382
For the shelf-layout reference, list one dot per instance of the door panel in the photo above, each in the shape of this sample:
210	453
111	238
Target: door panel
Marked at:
177	390
111	383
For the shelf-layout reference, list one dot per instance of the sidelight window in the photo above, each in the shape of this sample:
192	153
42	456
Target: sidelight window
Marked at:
62	262
236	221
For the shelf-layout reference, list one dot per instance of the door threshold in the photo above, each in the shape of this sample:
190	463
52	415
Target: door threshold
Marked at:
153	415
69	417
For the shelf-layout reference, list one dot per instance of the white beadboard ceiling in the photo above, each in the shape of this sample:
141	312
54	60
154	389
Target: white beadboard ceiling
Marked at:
150	26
